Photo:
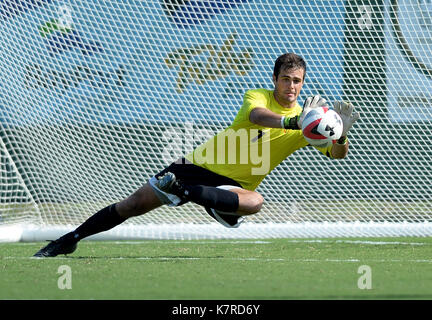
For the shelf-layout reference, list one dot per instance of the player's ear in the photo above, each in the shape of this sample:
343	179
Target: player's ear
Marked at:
274	79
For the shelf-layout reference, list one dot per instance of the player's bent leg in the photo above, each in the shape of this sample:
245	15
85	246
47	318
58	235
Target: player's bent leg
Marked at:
224	203
250	202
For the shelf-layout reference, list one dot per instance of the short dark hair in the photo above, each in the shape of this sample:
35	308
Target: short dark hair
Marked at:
289	61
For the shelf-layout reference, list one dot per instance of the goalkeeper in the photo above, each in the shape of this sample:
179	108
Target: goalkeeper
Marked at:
271	120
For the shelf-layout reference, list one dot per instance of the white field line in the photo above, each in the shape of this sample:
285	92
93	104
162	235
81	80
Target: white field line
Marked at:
193	242
221	241
269	242
361	242
258	259
151	241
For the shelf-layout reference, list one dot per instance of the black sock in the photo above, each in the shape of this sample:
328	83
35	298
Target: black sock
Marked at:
212	197
103	220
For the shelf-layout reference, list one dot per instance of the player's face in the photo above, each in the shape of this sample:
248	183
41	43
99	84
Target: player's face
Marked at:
288	86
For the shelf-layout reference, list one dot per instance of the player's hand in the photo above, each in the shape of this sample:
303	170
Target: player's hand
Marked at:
310	103
345	110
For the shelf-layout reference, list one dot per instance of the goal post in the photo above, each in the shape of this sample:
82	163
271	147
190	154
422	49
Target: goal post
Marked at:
98	96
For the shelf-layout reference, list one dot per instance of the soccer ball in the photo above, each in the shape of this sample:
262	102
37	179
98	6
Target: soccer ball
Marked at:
322	126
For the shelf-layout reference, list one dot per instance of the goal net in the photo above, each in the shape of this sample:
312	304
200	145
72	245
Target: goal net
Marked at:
98	96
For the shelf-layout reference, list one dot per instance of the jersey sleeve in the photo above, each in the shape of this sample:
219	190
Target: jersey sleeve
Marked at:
254	99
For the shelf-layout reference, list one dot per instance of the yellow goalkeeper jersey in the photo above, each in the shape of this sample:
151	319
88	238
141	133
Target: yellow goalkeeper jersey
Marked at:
247	152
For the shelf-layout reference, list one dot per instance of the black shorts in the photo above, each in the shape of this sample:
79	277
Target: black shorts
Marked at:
194	175
191	174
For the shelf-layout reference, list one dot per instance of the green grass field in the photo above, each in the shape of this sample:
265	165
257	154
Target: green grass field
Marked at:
222	269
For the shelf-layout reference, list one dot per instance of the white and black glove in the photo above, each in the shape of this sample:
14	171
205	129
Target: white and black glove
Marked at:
345	110
310	103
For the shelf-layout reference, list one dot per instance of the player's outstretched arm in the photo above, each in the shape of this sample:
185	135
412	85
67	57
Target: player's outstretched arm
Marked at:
267	118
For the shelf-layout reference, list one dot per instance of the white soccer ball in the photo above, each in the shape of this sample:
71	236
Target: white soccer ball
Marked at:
322	126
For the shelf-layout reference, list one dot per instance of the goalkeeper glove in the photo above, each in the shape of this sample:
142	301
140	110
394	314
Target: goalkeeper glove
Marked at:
310	103
345	110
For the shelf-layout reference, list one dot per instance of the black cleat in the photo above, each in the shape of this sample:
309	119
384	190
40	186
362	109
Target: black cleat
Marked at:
56	247
227	220
168	183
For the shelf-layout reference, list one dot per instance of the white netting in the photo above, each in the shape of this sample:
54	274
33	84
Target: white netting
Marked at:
97	96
